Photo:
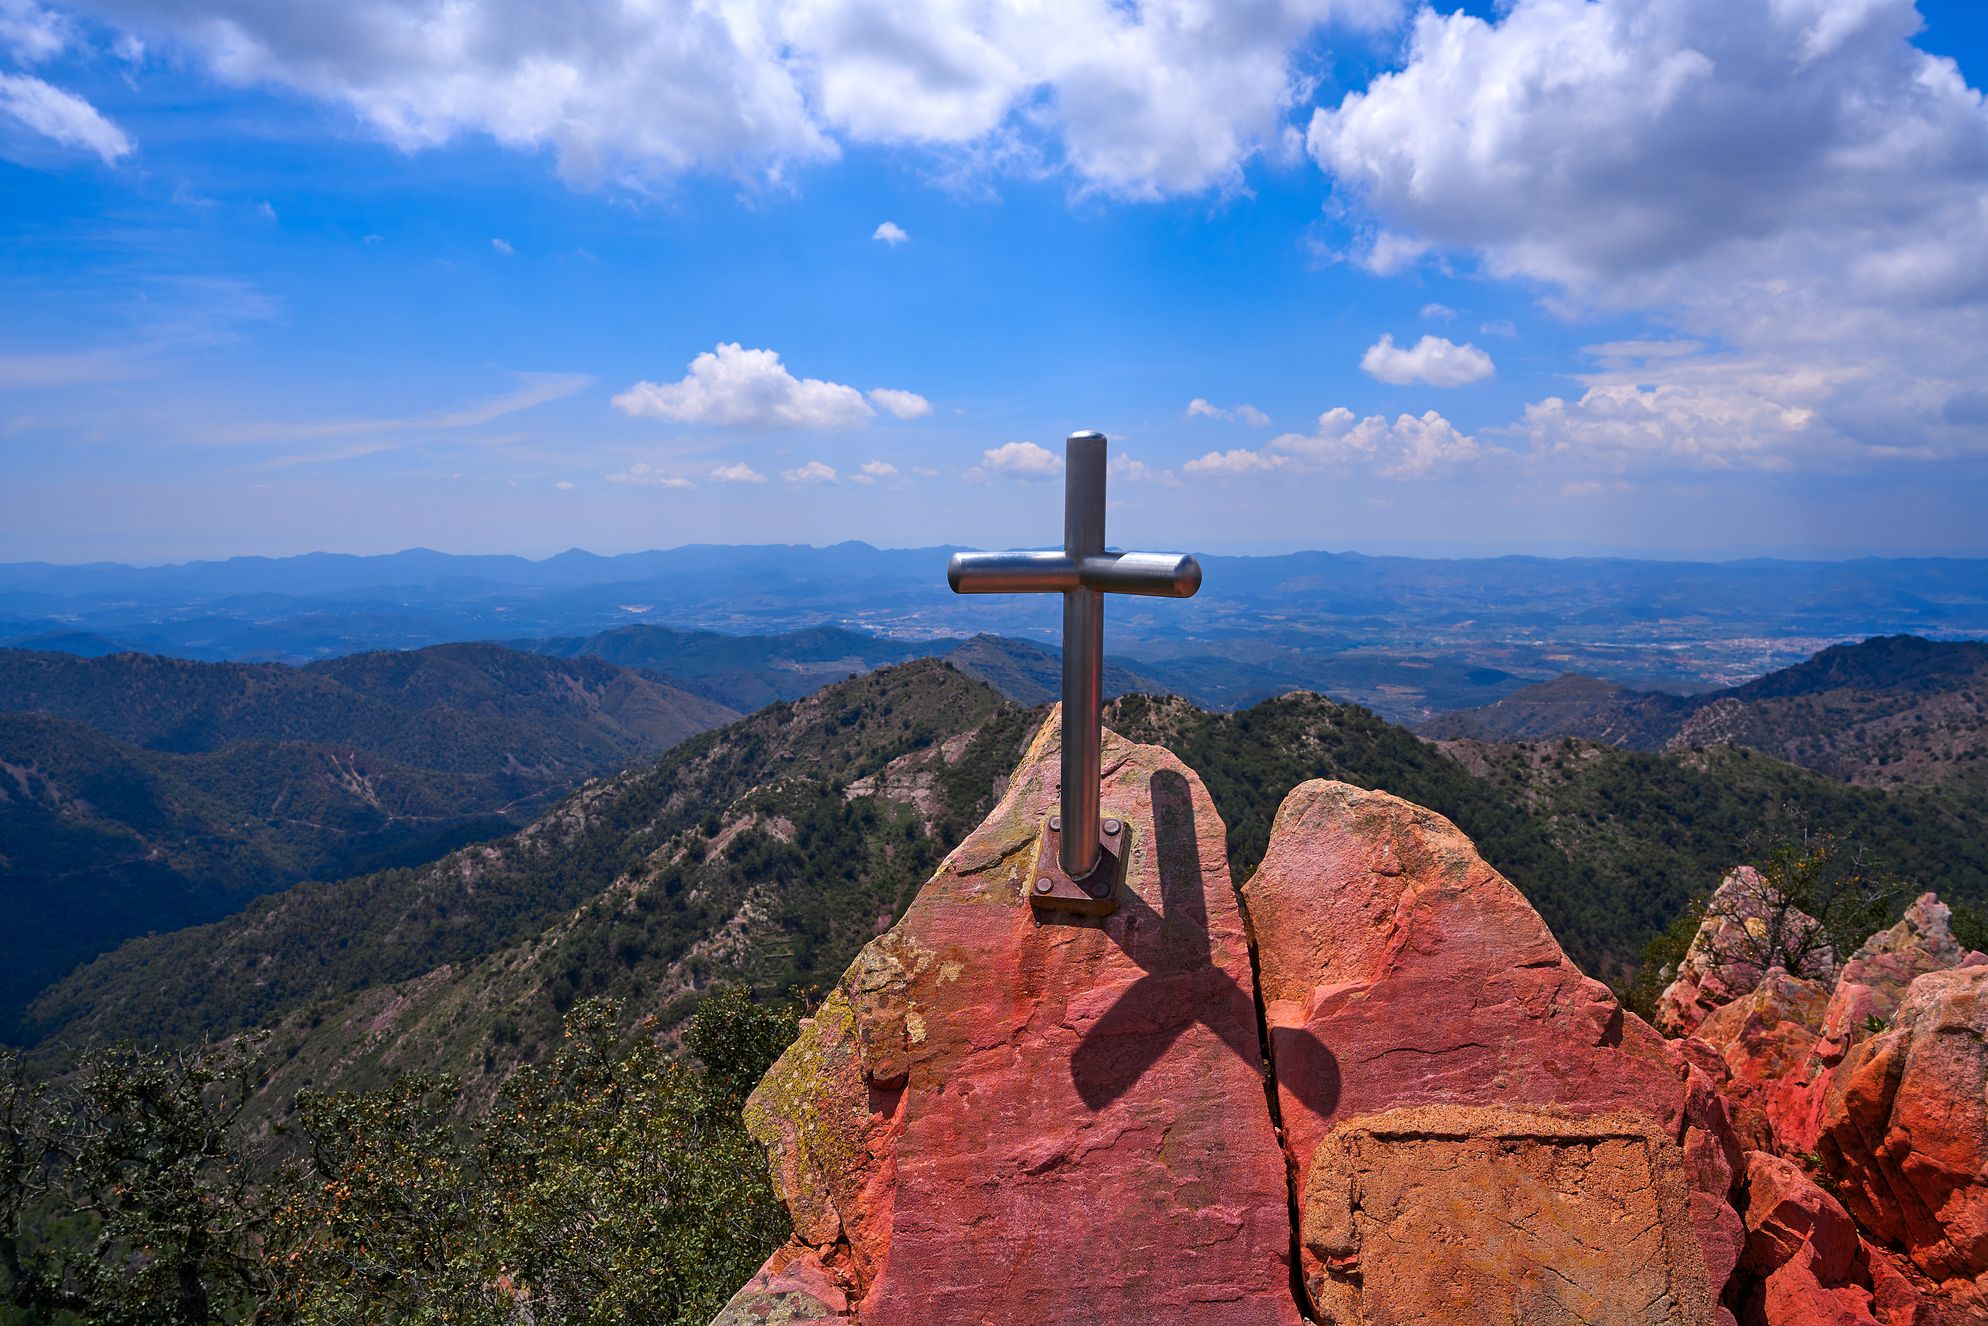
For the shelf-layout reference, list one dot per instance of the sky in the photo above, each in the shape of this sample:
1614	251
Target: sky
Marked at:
1698	278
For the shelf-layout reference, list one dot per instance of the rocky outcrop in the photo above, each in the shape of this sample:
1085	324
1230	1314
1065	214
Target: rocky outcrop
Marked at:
1399	970
1720	966
1000	1118
1865	1105
1368	1089
1905	1133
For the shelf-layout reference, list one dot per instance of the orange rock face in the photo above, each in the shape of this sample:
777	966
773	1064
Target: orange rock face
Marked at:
1905	1131
1398	969
999	1117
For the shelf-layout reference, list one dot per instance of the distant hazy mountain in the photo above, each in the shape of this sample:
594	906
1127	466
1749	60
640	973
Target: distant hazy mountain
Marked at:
145	794
1408	637
1888	711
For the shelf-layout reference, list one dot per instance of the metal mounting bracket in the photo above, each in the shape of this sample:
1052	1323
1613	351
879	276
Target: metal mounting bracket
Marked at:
1051	890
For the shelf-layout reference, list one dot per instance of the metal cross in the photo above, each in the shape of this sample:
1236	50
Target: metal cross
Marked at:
1090	852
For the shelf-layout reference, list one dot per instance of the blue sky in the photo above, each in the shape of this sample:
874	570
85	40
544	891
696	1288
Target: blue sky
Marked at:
1675	278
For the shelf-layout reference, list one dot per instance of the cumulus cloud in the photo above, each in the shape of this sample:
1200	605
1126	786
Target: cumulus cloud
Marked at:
1411	447
812	472
647	475
891	233
1131	470
736	386
62	117
902	404
503	246
1437	312
1249	414
738	472
1023	460
1796	182
1434	360
1240	460
1166	96
871	471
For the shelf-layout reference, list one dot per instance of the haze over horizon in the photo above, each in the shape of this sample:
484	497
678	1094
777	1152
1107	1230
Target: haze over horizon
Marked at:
1546	277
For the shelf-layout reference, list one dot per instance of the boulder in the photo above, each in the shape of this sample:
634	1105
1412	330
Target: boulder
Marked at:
1470	1214
1767	1038
1717	969
1804	1250
1004	1117
1399	970
1904	1130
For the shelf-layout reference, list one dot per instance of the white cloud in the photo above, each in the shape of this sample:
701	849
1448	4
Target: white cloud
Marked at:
533	389
891	233
1795	181
1162	97
1125	467
647	475
1411	447
1434	360
31	33
737	472
63	117
565	485
812	472
871	471
1498	327
1249	414
1437	312
1241	460
736	386
902	404
267	210
1023	460
503	246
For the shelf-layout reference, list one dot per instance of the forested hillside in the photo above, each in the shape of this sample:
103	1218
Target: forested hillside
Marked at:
1894	711
142	794
768	851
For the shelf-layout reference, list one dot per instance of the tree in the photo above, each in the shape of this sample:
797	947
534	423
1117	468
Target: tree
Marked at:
127	1196
614	1183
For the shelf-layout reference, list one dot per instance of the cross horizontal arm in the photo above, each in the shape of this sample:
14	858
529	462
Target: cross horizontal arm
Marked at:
1011	573
1158	575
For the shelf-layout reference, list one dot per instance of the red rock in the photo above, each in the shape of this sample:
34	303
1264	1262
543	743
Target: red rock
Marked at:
1767	1038
1398	969
1711	974
997	1118
1905	1128
1804	1248
792	1286
1867	994
1898	1295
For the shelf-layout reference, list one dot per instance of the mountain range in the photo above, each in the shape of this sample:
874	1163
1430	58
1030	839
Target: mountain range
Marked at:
1408	637
1890	712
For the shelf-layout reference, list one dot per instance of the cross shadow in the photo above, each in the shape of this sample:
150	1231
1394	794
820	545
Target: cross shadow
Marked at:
1171	946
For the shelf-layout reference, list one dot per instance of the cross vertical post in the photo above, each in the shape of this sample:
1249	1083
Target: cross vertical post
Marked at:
1081	854
1083	655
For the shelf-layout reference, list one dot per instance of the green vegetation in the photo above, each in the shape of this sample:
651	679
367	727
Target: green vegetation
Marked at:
614	1183
142	794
